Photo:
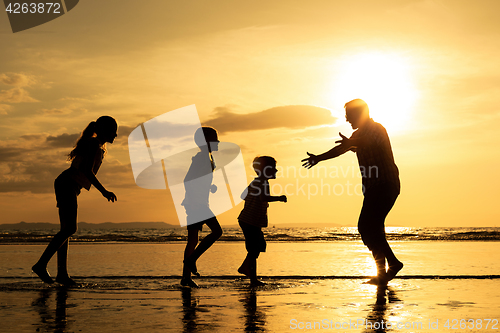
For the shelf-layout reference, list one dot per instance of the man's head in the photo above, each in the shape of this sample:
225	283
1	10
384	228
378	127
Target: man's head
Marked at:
265	167
356	112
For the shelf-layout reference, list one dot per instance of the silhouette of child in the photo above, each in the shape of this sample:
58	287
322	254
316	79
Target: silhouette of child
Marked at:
198	185
86	158
253	217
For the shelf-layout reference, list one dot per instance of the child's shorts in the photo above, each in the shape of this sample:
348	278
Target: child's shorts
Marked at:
196	218
254	239
67	190
199	225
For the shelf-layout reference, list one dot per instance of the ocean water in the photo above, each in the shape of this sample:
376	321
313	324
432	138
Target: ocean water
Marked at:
272	234
428	259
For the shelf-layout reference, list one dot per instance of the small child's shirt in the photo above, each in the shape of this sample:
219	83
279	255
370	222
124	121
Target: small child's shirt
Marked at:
255	210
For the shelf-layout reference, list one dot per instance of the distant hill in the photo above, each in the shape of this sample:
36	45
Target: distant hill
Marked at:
298	225
85	225
145	225
154	225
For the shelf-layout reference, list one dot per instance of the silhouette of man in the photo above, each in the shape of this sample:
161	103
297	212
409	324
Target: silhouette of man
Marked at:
380	178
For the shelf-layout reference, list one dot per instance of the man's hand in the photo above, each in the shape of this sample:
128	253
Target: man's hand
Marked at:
344	141
283	198
311	161
110	196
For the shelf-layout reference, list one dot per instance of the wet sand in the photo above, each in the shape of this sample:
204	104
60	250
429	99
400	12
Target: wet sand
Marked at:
135	287
230	305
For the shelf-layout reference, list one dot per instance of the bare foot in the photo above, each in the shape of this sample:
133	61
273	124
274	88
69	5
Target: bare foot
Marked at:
378	281
192	266
188	282
66	281
42	273
245	270
257	283
393	270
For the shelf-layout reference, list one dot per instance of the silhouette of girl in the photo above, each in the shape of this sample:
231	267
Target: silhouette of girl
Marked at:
198	185
86	158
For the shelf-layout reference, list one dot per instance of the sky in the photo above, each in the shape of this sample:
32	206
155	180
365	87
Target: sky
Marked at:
272	77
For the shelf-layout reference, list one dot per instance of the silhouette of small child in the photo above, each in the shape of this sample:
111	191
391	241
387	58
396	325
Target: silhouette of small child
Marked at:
253	217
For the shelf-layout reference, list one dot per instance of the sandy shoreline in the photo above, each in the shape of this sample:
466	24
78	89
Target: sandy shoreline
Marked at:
230	305
131	287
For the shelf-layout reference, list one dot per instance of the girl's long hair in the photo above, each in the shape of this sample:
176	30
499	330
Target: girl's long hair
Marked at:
102	124
87	133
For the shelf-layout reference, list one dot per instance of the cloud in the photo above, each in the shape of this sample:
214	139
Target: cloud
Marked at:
16	95
35	172
18	80
4	108
62	141
291	116
33	137
33	176
57	111
32	162
11	153
124	131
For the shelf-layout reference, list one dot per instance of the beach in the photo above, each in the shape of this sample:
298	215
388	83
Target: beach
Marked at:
229	305
315	286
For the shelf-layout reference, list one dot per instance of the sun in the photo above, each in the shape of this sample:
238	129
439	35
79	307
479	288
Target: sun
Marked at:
384	81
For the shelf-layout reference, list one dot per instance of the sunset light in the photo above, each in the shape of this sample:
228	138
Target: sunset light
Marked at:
384	81
249	166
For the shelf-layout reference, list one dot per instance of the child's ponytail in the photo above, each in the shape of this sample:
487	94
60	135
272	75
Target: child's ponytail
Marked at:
87	133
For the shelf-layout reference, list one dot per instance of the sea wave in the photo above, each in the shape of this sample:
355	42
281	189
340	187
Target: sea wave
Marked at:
272	234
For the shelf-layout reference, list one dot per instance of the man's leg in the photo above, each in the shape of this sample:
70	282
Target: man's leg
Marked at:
387	202
371	227
394	264
379	257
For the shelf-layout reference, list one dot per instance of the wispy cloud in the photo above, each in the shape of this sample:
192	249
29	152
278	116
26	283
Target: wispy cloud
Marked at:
63	110
16	95
4	108
17	79
64	140
291	116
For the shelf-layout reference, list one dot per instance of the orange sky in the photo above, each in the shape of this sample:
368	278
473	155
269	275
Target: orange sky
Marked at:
249	62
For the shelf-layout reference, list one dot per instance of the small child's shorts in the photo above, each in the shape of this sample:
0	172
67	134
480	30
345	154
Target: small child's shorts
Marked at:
254	239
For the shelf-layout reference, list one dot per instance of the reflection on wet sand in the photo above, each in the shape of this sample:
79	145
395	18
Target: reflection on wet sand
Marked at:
191	308
49	323
254	318
377	318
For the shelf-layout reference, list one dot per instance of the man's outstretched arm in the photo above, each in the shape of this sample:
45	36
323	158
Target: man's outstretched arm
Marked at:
351	142
312	160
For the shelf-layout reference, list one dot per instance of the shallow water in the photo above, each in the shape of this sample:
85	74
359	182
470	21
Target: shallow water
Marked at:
229	305
25	234
429	258
126	287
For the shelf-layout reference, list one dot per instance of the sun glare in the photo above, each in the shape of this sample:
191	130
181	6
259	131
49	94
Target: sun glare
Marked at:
383	81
